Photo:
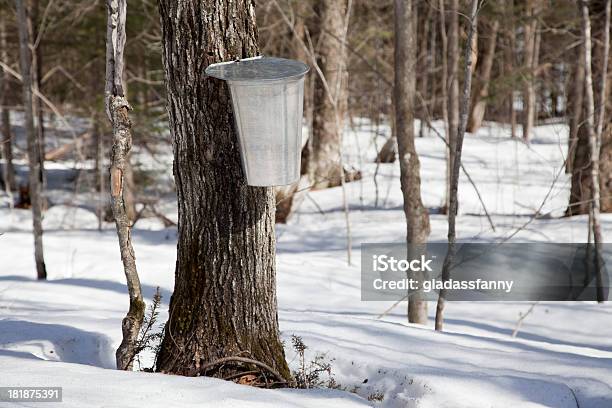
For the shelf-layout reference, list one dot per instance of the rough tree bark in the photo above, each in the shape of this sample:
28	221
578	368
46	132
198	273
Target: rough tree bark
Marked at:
529	91
417	217
117	109
224	303
8	170
329	110
35	182
479	104
454	197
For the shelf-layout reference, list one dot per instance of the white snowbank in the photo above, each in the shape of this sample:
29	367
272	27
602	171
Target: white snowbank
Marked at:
64	332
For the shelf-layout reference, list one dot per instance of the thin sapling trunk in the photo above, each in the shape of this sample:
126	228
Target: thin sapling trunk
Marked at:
117	110
454	203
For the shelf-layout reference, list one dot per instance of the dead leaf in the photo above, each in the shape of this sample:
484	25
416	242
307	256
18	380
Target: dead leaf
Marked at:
248	379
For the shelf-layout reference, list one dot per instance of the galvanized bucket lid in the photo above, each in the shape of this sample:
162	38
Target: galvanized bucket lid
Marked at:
258	70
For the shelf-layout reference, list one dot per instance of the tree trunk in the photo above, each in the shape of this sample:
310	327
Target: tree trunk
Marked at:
575	107
453	95
99	170
605	169
604	131
509	63
479	105
330	97
432	62
285	196
593	135
117	108
445	116
35	182
417	218
425	55
298	41
36	70
388	151
8	170
596	143
224	301
454	191
581	192
529	92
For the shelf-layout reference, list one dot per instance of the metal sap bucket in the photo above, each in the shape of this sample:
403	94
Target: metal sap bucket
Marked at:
268	101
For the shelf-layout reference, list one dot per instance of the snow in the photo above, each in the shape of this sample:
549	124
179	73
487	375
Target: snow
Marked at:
84	385
64	332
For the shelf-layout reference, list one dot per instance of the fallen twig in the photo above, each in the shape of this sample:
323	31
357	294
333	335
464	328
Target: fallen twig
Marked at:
246	360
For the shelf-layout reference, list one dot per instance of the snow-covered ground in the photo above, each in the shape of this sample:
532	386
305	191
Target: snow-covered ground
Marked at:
63	332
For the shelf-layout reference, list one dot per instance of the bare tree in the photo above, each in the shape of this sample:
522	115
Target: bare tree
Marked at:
444	95
289	197
530	58
454	202
594	130
335	100
580	160
453	92
479	104
330	98
509	61
8	170
35	45
223	313
417	218
604	138
117	108
575	106
34	176
428	30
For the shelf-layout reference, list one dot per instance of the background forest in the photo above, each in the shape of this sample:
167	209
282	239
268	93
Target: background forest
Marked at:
528	70
424	121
